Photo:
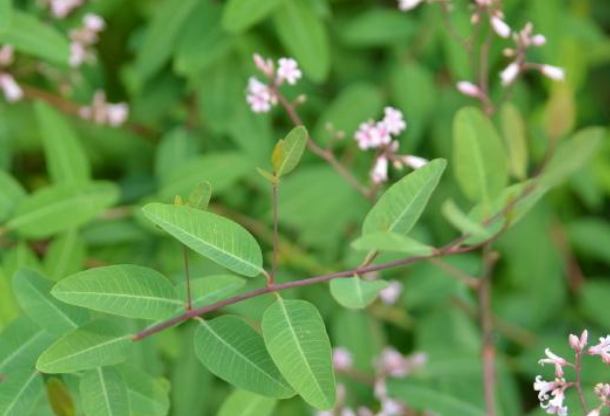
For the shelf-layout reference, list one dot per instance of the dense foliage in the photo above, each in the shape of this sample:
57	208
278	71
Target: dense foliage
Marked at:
186	230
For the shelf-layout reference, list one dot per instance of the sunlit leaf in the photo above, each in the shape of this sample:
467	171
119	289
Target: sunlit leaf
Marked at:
289	151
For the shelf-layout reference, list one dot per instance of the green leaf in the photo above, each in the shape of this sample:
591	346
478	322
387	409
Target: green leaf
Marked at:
65	256
392	242
235	352
21	343
422	397
200	197
377	27
217	238
6	14
463	222
244	403
104	393
289	151
304	36
65	157
148	395
61	207
479	158
355	292
240	15
161	37
124	290
210	289
98	343
572	155
60	398
296	338
400	207
33	293
20	393
11	194
514	132
29	35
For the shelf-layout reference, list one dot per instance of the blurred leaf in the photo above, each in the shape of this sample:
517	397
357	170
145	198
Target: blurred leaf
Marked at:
355	292
147	395
60	398
6	14
98	343
8	307
240	15
29	35
175	149
592	298
361	334
161	36
514	132
33	292
304	36
377	27
21	343
211	289
104	393
235	352
125	290
479	157
217	238
463	222
200	197
400	207
288	151
20	393
392	242
11	194
572	155
244	403
61	207
64	155
296	338
65	255
591	238
560	112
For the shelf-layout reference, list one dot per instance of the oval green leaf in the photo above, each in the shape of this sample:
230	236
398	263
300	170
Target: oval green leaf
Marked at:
104	393
392	242
296	338
21	343
231	349
244	403
217	238
289	151
356	293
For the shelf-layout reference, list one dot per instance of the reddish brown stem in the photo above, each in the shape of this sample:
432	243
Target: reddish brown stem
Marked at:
578	383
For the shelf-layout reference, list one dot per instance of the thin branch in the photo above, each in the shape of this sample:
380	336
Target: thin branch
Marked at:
456	273
578	383
276	243
187	276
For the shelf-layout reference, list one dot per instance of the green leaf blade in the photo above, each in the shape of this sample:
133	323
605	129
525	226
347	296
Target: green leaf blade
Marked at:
356	293
244	403
287	156
240	15
20	393
104	393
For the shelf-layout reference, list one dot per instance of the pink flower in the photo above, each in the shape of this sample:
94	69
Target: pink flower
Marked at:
510	74
499	26
117	114
102	112
545	387
602	349
594	412
538	40
259	96
11	90
364	135
264	65
78	54
469	89
406	5
93	22
6	55
556	360
391	293
62	8
390	407
348	412
379	174
553	72
393	363
394	121
578	344
602	390
342	358
414	162
555	405
288	71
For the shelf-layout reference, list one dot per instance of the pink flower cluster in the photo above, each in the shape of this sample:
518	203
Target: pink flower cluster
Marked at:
83	38
11	90
552	393
378	135
62	8
389	364
262	97
102	112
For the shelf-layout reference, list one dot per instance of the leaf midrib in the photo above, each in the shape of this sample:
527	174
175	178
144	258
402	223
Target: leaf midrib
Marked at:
86	350
21	391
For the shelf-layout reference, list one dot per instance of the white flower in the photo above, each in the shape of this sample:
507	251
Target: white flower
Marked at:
365	411
394	120
545	387
393	363
414	162
348	412
117	114
555	405
390	407
556	360
468	88
538	40
510	74
499	26
379	174
288	70
62	8
6	55
406	5
364	135
324	413
12	91
553	72
342	358
259	96
594	412
78	54
602	349
578	344
93	22
391	293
